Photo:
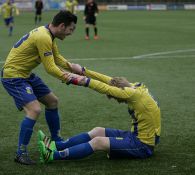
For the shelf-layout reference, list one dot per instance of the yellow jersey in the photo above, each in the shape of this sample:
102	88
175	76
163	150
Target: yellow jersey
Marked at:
8	10
144	110
71	6
34	48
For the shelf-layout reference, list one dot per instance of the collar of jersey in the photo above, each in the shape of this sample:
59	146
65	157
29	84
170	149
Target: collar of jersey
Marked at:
47	27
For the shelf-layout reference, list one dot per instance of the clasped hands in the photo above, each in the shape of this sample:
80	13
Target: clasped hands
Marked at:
77	77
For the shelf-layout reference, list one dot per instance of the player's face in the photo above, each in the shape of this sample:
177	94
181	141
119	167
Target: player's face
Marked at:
65	30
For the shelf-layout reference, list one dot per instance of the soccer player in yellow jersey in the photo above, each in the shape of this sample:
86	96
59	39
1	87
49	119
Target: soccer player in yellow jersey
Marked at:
8	9
137	143
71	5
26	88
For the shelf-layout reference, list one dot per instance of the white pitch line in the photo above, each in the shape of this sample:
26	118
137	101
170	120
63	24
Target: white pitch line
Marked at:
164	53
131	58
152	55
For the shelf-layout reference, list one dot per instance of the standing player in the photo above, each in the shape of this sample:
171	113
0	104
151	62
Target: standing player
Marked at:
8	9
38	7
137	143
71	5
26	88
90	13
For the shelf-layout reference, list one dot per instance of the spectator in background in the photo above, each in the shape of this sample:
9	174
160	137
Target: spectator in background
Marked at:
71	6
38	7
8	9
90	13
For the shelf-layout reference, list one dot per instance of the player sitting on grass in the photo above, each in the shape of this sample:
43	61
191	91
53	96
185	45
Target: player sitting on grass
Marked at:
137	143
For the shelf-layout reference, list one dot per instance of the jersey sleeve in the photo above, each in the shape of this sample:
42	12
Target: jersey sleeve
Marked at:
59	59
1	8
113	91
98	76
16	10
44	46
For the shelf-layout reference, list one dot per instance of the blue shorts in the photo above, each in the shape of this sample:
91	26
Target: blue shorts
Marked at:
124	144
8	20
25	90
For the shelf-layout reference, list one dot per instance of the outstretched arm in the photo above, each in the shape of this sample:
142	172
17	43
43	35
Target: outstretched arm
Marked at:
100	87
97	76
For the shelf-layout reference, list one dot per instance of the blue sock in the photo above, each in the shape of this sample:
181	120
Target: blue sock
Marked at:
78	139
26	130
53	121
75	152
10	30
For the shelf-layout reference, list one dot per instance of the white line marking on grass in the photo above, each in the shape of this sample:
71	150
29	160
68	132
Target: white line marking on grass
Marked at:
156	55
131	58
163	53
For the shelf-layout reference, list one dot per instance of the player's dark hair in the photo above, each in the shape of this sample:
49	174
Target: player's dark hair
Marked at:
65	17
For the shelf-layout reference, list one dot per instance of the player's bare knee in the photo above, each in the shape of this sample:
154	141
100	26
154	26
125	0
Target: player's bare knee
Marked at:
97	131
54	102
99	143
36	111
96	143
33	113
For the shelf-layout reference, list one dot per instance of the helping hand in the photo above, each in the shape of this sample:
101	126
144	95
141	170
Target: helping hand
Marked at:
76	68
76	79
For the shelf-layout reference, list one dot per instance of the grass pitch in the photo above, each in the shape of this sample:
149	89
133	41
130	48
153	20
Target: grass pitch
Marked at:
154	47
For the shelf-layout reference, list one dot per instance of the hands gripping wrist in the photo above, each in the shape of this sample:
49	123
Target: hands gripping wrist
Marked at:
77	80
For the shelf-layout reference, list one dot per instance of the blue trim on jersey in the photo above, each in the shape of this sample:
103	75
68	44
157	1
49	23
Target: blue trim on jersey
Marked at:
88	81
135	123
47	27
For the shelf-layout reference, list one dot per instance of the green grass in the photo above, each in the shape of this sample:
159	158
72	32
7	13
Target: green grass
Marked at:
170	78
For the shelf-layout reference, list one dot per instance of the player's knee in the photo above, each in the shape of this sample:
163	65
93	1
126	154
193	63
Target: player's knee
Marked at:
53	103
96	143
97	131
32	109
99	144
34	113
